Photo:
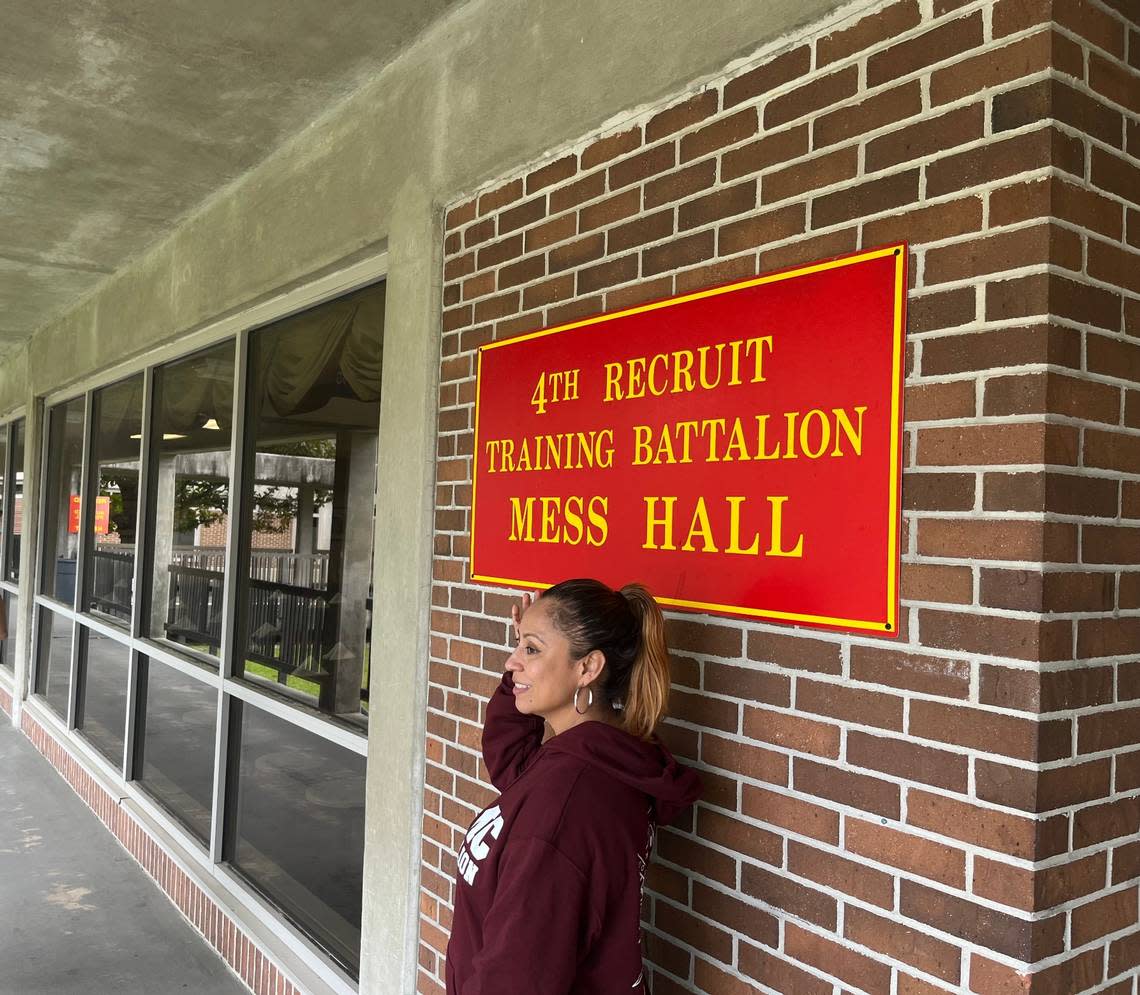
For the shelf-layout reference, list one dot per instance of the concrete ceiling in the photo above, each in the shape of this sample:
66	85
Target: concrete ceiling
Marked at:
117	117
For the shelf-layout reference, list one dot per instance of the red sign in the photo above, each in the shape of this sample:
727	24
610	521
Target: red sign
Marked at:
737	450
102	515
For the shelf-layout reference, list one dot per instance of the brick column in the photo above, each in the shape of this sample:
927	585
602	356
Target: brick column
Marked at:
956	810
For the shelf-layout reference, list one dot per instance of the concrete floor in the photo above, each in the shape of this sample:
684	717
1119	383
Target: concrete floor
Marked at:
77	914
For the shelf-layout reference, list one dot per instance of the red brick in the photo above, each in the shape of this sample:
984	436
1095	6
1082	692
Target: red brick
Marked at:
908	761
744	760
610	147
811	250
715	206
771	150
1099	637
681	252
923	673
776	72
994	67
878	27
937	582
698	933
1124	954
976	729
925	491
850	704
988	828
1112	450
586	188
902	943
1014	346
682	115
1092	23
640	167
927	137
1007	934
553	172
840	874
874	112
1075	975
818	93
868	794
774	972
725	131
741	916
1035	245
991	539
492	200
1004	157
927	224
793	897
682	183
757	230
794	652
792	732
791	813
749	683
870	197
856	969
932	46
1005	444
1109	914
743	838
1125	863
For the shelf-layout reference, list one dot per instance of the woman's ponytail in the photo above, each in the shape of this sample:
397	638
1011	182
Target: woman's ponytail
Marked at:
649	680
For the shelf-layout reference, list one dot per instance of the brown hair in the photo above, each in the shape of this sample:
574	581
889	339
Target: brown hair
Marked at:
628	628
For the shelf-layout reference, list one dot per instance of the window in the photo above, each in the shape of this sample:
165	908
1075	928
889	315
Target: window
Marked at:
174	744
62	494
102	710
312	420
189	497
9	615
116	440
53	675
13	520
295	825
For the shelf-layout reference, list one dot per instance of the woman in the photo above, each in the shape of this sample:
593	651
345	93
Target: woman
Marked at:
548	890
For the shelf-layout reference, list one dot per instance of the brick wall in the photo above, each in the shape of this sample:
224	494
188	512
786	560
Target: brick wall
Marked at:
957	810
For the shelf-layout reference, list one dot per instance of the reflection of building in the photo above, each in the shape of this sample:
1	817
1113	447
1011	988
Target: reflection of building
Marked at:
953	811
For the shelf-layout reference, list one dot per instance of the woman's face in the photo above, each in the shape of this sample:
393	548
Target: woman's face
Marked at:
544	673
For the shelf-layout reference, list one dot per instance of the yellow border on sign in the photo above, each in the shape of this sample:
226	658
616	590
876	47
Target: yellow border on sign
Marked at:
899	251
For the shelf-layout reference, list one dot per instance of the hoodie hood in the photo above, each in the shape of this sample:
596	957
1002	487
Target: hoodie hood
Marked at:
647	766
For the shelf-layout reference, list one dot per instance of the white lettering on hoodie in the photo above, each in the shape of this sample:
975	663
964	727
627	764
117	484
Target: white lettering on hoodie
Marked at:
475	847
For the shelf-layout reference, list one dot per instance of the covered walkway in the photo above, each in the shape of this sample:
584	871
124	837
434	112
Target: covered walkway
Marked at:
77	914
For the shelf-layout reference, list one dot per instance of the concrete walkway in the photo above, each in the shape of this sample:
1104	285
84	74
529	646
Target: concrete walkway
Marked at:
77	914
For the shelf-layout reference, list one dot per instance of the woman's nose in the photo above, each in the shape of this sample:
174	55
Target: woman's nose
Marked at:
513	661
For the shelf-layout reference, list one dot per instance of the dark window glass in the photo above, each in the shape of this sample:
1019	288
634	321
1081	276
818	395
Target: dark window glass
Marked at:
61	505
116	441
9	616
295	825
102	707
174	743
3	479
15	518
53	666
190	496
313	413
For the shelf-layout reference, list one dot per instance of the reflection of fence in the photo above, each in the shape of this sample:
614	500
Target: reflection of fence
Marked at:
295	569
112	580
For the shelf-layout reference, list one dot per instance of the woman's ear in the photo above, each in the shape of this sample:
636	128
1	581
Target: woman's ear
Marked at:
592	664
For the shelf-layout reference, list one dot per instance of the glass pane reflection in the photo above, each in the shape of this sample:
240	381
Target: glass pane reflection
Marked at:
102	712
116	442
53	667
14	522
189	496
10	605
295	825
310	482
174	745
61	500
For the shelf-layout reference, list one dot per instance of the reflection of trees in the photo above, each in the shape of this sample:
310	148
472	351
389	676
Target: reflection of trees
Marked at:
201	501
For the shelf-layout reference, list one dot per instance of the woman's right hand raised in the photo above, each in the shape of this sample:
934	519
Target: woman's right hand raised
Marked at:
517	612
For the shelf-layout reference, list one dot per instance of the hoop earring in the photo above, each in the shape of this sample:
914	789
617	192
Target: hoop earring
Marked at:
589	700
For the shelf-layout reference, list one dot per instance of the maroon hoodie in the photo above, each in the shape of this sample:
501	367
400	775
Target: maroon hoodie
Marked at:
549	879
